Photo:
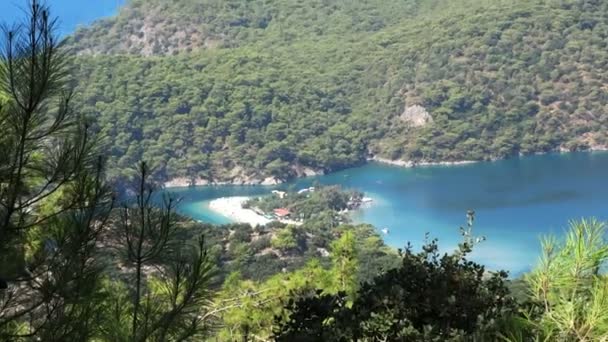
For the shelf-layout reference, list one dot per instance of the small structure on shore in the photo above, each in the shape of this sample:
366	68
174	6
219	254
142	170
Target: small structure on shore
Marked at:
282	213
280	194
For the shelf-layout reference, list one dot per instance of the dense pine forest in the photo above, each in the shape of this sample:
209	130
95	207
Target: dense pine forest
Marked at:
247	90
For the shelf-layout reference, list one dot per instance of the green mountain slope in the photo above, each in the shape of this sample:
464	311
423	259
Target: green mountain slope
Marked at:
326	85
158	27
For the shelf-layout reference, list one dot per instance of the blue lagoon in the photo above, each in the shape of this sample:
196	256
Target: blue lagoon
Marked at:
516	201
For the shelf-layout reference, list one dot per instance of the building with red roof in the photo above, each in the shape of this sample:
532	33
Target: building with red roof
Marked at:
282	212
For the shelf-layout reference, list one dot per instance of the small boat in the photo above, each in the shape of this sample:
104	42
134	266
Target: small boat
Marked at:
385	231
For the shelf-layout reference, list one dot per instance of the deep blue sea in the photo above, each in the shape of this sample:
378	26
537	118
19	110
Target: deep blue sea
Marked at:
516	201
71	13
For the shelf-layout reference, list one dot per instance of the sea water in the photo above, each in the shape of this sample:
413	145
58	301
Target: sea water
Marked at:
516	201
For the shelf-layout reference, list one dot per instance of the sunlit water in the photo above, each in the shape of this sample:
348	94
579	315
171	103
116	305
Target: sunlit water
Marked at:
516	201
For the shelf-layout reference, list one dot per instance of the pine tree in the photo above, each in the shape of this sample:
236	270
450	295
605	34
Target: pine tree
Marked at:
165	292
53	201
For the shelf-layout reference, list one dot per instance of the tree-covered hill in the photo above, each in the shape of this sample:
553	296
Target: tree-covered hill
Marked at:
160	27
286	87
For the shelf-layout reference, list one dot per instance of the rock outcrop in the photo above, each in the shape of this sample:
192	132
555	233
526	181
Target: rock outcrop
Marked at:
416	116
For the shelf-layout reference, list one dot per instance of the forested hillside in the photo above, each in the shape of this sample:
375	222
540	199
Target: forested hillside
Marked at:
247	91
80	263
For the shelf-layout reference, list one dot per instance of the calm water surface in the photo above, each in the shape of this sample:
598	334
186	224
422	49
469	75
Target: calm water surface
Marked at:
516	201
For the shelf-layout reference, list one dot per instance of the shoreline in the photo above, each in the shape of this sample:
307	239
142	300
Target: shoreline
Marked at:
184	182
232	208
411	164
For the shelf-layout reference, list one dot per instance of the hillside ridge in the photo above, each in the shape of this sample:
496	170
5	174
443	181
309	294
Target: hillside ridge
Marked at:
331	86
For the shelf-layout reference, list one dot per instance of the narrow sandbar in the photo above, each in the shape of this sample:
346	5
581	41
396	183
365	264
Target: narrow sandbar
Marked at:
232	208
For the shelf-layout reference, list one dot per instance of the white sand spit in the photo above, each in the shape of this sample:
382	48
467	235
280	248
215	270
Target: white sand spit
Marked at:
232	208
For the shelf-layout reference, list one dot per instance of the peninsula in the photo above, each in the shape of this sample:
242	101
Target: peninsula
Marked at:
290	207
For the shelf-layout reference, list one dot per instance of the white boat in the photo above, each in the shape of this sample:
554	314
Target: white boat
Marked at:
385	231
311	189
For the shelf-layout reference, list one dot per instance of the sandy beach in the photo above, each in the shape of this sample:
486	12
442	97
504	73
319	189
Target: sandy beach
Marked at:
231	207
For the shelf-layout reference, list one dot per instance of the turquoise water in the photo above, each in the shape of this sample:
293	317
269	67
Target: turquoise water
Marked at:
516	201
71	13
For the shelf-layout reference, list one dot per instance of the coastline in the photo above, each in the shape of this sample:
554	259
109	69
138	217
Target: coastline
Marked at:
184	182
390	211
411	164
232	208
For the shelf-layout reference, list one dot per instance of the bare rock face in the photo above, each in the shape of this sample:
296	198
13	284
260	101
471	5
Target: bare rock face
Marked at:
416	116
270	181
180	182
305	171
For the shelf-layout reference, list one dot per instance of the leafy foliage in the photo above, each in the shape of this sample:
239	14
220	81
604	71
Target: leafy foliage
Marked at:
262	104
311	205
324	86
56	212
263	252
430	297
249	308
161	27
